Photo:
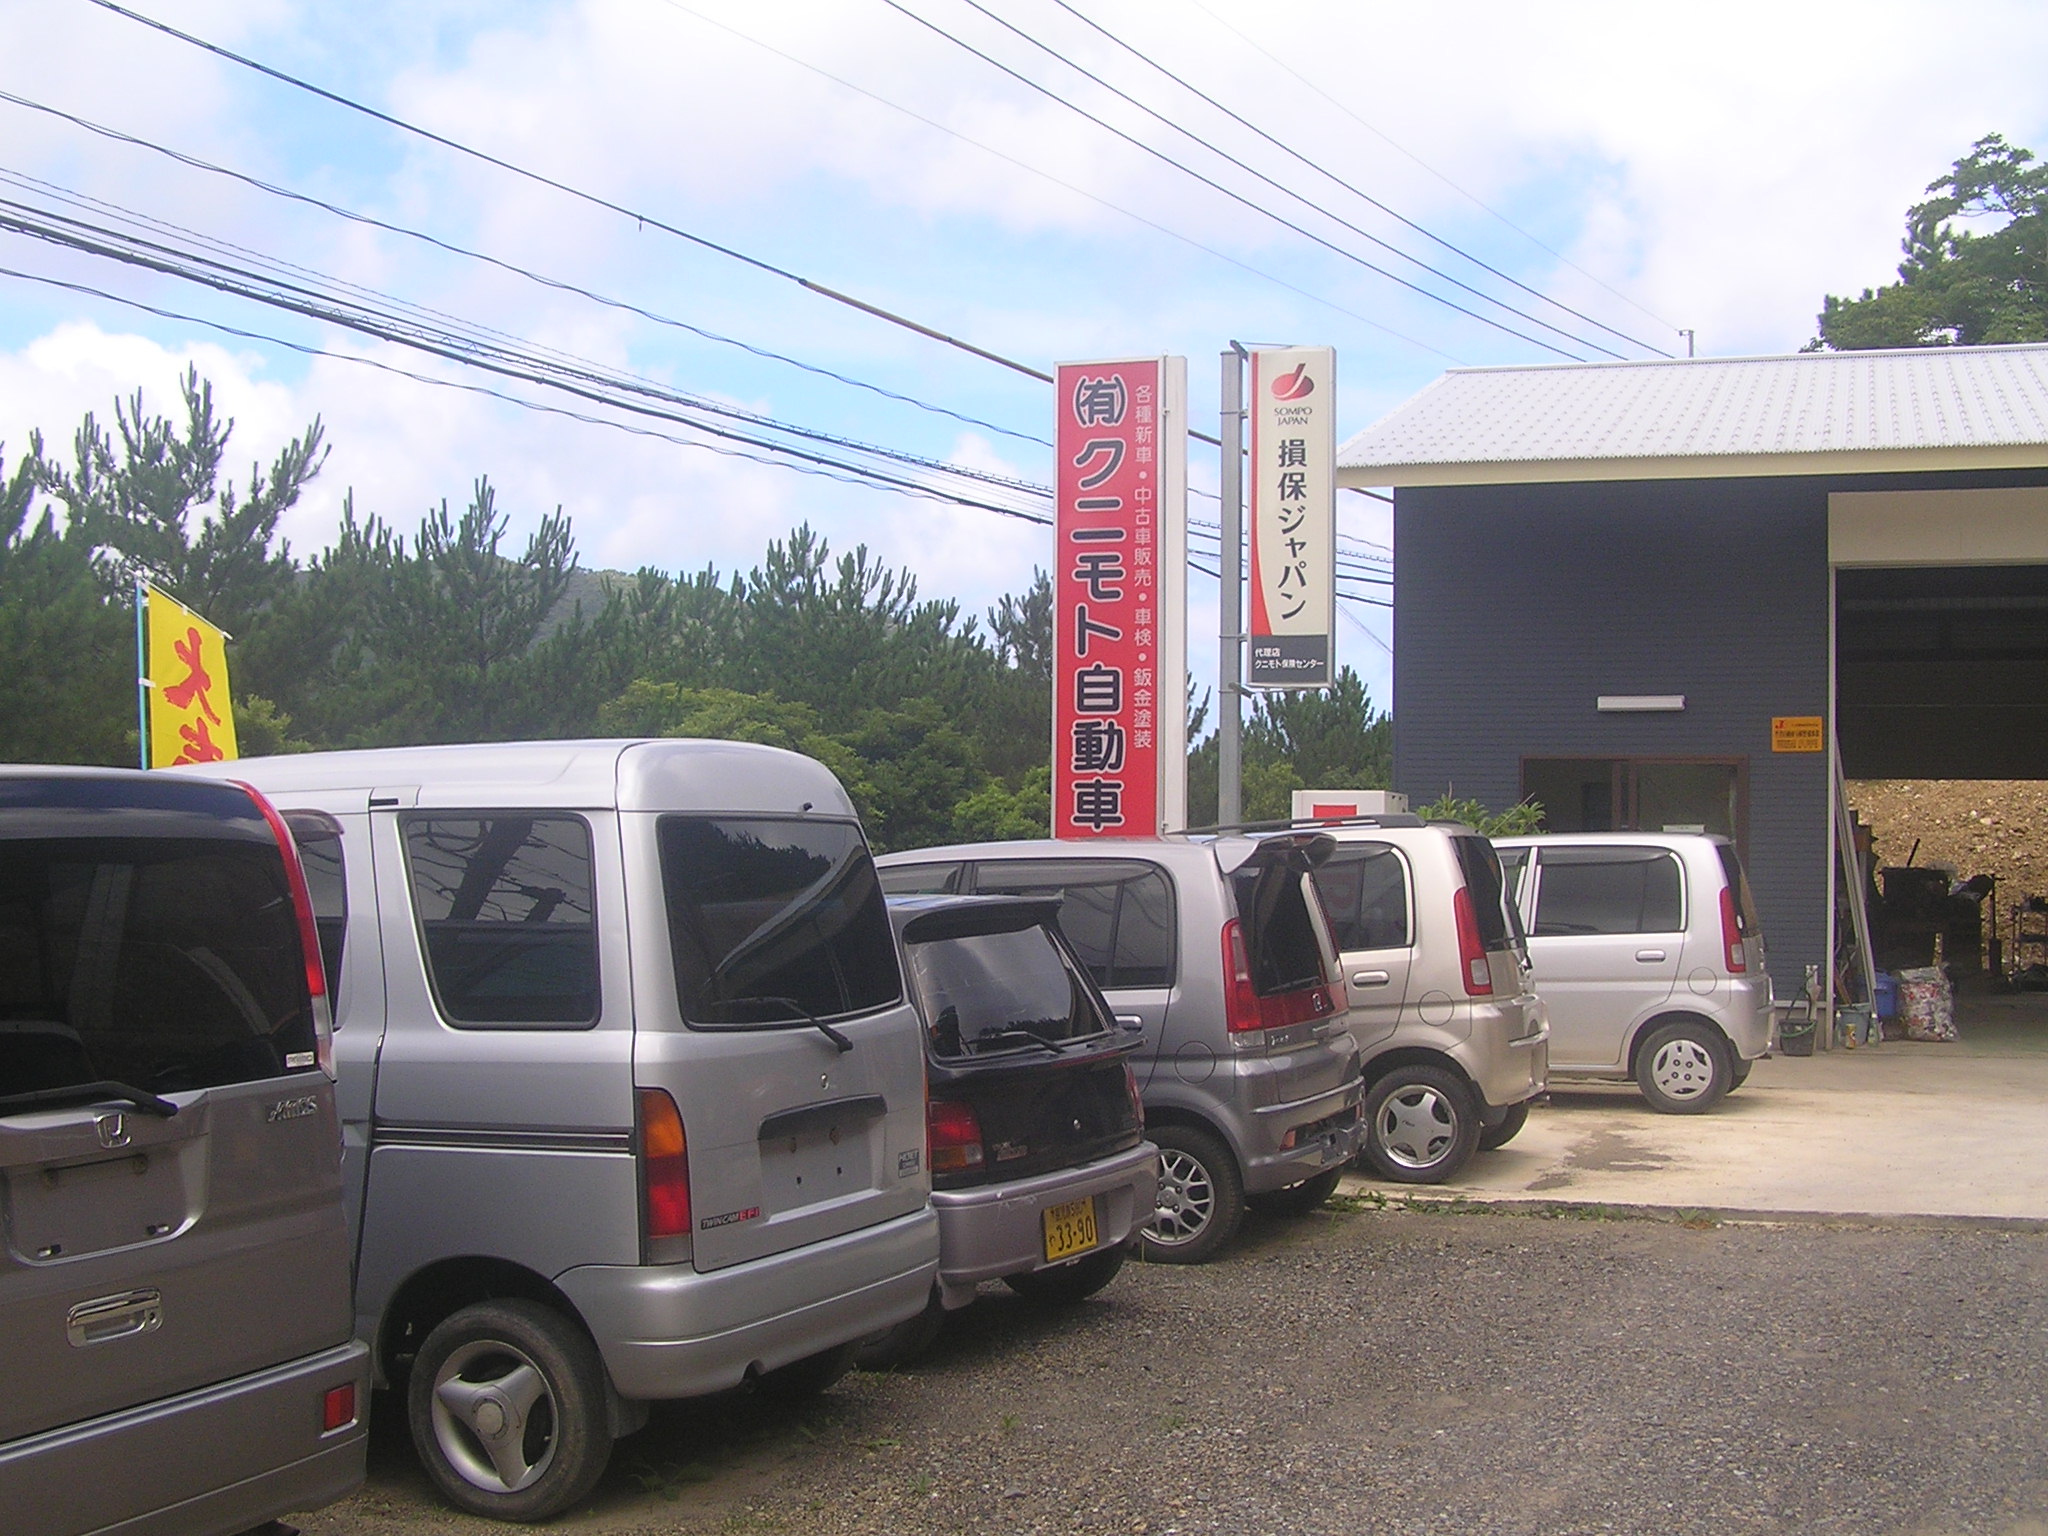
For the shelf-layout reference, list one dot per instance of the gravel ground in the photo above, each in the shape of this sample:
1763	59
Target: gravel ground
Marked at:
1403	1371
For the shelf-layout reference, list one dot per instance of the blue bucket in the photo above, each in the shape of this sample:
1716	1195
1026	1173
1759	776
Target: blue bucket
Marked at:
1886	995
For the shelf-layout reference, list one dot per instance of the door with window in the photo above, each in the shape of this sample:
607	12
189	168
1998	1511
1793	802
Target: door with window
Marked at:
1365	890
1608	926
1641	794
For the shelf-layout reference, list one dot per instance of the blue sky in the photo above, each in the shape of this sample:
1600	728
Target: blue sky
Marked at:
1719	168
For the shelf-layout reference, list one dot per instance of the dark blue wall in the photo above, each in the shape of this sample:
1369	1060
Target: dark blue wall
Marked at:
1516	606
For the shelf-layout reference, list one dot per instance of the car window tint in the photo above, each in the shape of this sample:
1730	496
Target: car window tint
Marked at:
1745	905
996	991
774	921
1481	867
163	963
1512	862
1280	937
1364	888
506	915
920	879
1117	913
1607	890
319	842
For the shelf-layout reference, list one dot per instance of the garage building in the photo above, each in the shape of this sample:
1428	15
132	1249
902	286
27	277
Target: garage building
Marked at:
1660	595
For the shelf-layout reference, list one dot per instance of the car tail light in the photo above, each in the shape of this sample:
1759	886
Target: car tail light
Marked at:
338	1408
1472	961
1731	934
309	930
954	1135
1244	1010
664	1169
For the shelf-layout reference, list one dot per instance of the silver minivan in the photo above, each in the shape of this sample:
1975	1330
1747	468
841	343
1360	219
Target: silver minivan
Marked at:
1216	953
176	1352
1649	956
1453	1036
632	1096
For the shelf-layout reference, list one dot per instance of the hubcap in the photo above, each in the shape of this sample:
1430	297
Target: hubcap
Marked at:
1682	1069
1417	1126
1186	1202
494	1417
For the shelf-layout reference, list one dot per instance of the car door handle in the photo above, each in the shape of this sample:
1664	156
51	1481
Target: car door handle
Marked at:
1650	954
1370	978
1131	1023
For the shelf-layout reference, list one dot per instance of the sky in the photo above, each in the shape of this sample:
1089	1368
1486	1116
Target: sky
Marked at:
1616	173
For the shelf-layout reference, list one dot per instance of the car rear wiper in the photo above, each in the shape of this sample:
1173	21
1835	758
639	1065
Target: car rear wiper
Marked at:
838	1038
1006	1031
87	1093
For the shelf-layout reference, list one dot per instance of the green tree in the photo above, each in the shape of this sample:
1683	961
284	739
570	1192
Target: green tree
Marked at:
1333	739
1522	817
1956	287
70	653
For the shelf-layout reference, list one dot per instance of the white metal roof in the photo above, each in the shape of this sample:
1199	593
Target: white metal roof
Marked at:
1810	413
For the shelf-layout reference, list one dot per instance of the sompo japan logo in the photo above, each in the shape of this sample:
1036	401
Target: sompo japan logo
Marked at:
1294	386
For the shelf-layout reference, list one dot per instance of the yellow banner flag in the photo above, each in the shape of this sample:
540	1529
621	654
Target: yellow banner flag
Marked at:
190	719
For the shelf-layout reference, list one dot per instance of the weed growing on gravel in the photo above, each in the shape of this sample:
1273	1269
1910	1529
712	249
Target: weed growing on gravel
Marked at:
669	1478
1169	1422
921	1486
1007	1424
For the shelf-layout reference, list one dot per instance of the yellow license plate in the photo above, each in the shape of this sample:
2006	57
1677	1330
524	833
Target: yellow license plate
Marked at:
1069	1229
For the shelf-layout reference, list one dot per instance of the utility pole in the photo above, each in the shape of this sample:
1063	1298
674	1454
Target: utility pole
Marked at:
1230	616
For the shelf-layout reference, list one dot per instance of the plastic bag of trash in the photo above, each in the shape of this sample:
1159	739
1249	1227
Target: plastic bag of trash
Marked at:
1927	1004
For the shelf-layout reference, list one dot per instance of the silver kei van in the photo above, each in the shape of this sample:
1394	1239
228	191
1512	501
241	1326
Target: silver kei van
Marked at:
632	1094
176	1354
1650	958
1215	952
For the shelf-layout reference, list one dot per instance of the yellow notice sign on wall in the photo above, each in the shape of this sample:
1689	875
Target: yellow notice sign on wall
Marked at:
190	720
1798	733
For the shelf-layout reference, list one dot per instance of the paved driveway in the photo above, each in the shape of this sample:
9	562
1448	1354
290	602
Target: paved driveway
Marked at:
1953	1129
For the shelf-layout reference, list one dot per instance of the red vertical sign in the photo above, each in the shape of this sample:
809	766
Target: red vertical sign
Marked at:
1109	687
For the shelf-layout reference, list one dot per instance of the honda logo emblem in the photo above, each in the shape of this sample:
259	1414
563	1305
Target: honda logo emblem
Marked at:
113	1130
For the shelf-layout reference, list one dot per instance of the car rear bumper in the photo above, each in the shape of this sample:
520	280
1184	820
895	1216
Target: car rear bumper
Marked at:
667	1331
1296	1141
1507	1059
213	1462
999	1229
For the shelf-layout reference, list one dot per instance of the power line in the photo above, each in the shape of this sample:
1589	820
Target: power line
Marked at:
1359	192
196	163
1186	170
1066	186
644	219
1402	149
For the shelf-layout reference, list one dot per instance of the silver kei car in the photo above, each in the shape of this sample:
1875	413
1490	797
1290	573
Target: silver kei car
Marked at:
1649	956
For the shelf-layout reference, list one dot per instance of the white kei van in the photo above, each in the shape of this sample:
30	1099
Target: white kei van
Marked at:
632	1098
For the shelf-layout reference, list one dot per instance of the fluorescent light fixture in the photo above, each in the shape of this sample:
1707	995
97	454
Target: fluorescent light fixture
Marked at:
1640	703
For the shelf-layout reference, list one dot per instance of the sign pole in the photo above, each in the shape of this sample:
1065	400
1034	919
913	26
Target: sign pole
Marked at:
142	673
1230	605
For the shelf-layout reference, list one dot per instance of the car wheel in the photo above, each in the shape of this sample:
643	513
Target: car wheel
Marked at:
1492	1136
1740	1074
1060	1285
1421	1125
906	1341
1200	1204
1683	1068
806	1378
508	1410
1297	1199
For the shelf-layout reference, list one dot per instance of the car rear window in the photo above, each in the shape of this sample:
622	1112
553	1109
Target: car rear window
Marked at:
1364	887
1280	936
999	992
1117	913
1745	905
920	879
774	921
1608	890
165	963
1480	866
507	917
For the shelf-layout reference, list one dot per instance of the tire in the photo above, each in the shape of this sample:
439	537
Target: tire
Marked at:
801	1380
531	1374
1421	1125
1684	1068
1061	1285
1297	1199
1492	1136
1200	1204
896	1346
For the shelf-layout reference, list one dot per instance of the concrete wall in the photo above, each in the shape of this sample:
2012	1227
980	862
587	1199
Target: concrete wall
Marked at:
1516	606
